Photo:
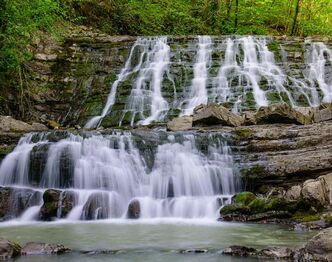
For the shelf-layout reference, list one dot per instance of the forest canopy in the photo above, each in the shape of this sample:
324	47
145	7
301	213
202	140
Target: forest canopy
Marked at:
21	19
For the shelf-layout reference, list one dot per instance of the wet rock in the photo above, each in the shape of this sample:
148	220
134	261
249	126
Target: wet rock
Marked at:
57	204
180	123
193	251
280	113
214	114
269	216
9	249
312	225
134	209
7	123
241	251
320	246
96	207
276	253
14	201
39	248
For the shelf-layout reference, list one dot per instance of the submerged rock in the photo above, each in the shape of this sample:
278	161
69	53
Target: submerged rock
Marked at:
318	248
241	251
276	253
39	248
180	123
134	209
214	114
9	249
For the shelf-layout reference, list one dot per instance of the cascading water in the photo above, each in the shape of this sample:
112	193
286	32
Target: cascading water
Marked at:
319	58
105	176
198	92
163	78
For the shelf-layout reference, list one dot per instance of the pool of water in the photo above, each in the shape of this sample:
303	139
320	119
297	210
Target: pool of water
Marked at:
150	240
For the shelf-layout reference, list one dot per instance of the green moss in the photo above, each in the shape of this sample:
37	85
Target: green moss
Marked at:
306	217
234	208
273	97
243	133
257	206
4	150
244	198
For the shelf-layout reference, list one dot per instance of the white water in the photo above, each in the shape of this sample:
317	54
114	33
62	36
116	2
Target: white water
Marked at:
318	57
110	172
198	92
146	94
247	75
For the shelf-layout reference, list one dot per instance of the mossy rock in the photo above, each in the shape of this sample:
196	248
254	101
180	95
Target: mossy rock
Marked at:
243	198
258	205
234	208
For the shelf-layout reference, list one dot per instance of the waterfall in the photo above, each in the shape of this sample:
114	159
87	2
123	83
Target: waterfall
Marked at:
181	175
165	77
318	57
198	92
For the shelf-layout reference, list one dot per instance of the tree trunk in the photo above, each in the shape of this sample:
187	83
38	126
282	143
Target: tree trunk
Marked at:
236	15
297	10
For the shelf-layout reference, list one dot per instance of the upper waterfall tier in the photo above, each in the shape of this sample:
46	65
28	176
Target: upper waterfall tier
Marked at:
178	175
164	77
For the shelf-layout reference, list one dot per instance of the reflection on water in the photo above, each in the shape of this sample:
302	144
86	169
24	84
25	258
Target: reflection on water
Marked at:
154	240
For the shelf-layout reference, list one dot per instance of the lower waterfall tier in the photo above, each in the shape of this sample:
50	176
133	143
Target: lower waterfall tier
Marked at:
119	175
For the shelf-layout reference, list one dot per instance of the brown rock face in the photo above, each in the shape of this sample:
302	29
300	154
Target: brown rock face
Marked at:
214	114
280	113
320	246
180	123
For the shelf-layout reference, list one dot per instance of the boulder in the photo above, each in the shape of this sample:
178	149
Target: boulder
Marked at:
320	246
97	207
57	204
7	123
39	127
180	123
326	182
281	113
134	209
214	114
39	248
318	190
249	118
9	249
294	193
